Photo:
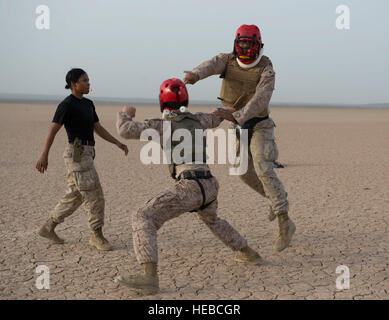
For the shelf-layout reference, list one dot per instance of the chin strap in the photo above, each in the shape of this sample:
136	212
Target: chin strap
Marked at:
251	65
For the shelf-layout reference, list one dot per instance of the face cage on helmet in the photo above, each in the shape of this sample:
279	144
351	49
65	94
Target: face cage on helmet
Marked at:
173	105
250	52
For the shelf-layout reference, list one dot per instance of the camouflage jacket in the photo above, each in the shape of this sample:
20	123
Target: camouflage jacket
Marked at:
264	90
129	129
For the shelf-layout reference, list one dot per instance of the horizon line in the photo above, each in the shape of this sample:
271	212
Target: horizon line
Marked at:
48	99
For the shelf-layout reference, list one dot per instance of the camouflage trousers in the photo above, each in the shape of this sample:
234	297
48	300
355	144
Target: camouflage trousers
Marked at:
83	188
260	175
185	196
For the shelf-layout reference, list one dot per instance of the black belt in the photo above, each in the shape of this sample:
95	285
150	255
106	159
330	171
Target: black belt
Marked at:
196	175
249	125
86	142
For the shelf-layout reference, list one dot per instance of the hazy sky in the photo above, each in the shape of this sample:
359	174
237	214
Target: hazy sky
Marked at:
129	47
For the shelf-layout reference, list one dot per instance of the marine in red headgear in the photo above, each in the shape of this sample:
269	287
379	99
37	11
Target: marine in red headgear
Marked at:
248	43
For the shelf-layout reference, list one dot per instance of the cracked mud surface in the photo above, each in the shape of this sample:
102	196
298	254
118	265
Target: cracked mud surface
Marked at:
336	176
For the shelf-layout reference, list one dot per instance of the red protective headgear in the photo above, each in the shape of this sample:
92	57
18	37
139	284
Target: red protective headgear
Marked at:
252	33
173	94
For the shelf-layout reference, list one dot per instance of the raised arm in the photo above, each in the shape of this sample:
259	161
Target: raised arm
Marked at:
129	129
216	65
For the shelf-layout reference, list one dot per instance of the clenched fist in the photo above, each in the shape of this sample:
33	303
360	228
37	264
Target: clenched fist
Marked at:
130	110
191	77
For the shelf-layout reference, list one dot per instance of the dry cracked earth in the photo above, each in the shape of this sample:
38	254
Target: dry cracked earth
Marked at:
336	176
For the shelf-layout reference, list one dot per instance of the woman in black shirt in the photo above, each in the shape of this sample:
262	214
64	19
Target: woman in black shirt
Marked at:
79	117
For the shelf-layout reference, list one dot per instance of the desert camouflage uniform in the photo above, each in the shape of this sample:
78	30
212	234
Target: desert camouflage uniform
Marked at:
83	188
183	197
260	175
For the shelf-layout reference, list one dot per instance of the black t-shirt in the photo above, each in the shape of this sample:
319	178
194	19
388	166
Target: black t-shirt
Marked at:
78	116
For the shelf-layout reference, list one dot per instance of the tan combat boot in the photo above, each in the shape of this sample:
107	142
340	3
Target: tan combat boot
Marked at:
47	231
147	282
97	240
287	229
248	256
